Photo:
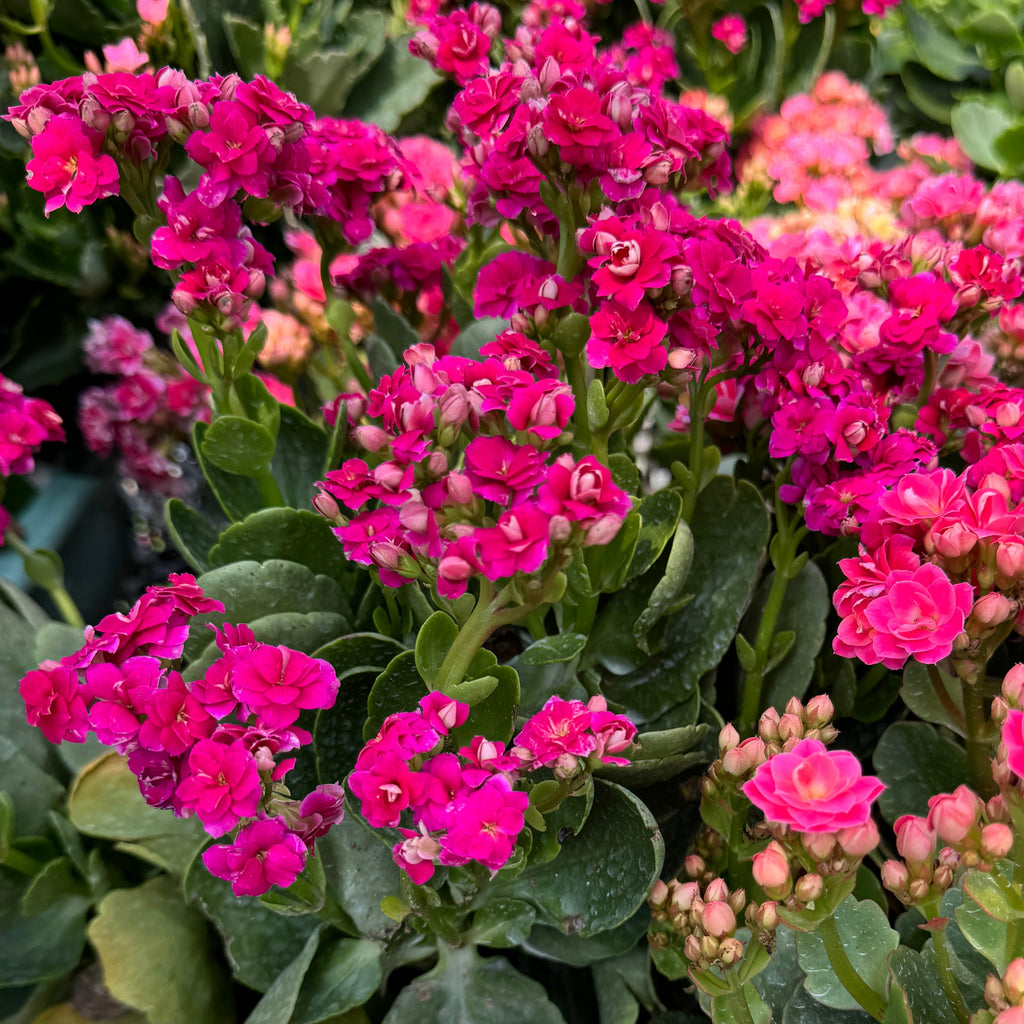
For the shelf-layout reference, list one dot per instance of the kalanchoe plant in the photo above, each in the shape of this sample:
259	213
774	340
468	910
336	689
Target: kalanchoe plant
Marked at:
475	619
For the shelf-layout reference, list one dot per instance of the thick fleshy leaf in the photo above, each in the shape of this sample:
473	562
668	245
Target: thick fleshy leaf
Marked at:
867	939
143	965
256	939
916	763
603	874
503	922
396	84
237	495
193	534
344	974
553	649
940	702
41	946
398	688
287	534
464	989
433	642
582	951
278	1002
730	531
238	445
659	515
298	461
916	981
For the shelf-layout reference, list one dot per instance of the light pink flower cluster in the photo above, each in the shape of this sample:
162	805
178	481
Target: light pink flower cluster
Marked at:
460	476
145	411
466	807
25	424
209	747
940	563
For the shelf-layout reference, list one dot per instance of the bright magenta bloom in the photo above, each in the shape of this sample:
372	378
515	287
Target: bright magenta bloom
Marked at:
263	854
277	682
68	166
222	787
813	789
54	702
1013	738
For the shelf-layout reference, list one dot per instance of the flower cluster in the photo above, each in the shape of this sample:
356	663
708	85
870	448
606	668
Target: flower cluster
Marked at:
25	424
466	807
207	747
1005	996
146	411
939	567
460	474
102	134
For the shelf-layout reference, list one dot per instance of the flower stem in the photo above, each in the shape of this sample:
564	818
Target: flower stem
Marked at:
978	755
55	588
737	1000
490	613
870	1001
949	985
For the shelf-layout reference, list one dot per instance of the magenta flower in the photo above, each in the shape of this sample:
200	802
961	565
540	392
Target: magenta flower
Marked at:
542	408
813	789
518	543
54	703
69	167
560	727
277	683
263	854
627	340
174	719
502	471
731	32
485	824
583	492
1013	739
222	786
386	789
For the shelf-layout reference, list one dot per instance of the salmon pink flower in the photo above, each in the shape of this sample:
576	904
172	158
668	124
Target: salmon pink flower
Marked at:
813	789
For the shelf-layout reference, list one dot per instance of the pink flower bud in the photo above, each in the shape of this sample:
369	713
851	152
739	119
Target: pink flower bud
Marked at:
819	711
989	610
716	891
791	727
895	876
659	895
819	844
728	738
1013	981
745	758
729	951
691	949
603	531
915	838
717	919
1013	1015
860	840
953	815
996	841
694	866
808	888
768	726
328	508
683	896
1013	686
771	871
768	915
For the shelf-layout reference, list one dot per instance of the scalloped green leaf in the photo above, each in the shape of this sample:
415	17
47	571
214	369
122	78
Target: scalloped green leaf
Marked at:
193	534
41	946
554	649
238	496
602	875
344	974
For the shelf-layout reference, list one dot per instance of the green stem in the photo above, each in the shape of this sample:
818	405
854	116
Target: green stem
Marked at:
978	759
21	862
486	617
870	1001
948	705
949	985
696	446
931	375
753	681
574	370
61	598
740	1009
586	612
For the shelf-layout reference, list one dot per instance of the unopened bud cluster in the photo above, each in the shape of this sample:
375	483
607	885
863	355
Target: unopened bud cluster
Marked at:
703	924
972	834
1004	996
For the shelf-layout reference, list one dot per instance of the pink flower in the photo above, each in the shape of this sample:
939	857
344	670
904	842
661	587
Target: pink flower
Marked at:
542	408
731	32
54	703
152	11
320	811
583	492
485	824
560	727
222	787
919	615
953	815
386	789
175	719
627	340
277	683
915	838
1013	739
69	167
416	854
263	854
813	789
502	471
518	543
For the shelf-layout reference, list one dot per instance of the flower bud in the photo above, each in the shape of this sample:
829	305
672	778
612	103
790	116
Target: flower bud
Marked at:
744	758
727	739
808	888
768	726
791	727
996	841
328	508
1013	686
859	840
918	889
768	915
953	815
658	898
819	711
772	872
1013	1015
915	839
996	809
717	919
989	611
1013	981
942	878
994	994
691	949
819	844
895	876
694	866
729	951
709	948
683	896
716	891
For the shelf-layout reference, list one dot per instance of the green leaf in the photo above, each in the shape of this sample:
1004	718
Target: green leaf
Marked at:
477	334
608	564
730	532
783	973
969	966
45	568
338	733
46	945
985	933
659	514
52	884
806	607
256	939
916	763
282	534
464	989
996	895
920	695
582	951
503	922
398	688
661	756
246	41
343	975
937	49
192	533
396	84
433	642
977	123
917	982
394	329
803	1008
256	590
756	1009
238	445
143	965
360	872
867	939
237	495
299	458
624	472
597	407
668	588
554	649
602	875
621	985
278	1002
